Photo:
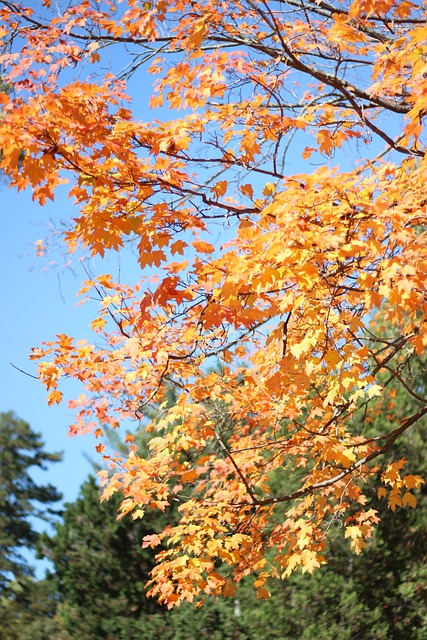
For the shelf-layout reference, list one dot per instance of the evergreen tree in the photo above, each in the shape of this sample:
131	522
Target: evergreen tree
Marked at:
101	570
380	594
21	498
29	611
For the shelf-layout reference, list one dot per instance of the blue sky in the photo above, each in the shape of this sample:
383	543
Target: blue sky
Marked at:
37	303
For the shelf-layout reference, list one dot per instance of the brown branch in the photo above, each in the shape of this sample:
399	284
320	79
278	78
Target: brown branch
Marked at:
398	377
236	467
291	60
355	467
287	56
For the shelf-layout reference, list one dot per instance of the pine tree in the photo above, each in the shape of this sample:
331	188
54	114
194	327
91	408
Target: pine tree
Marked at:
101	570
21	498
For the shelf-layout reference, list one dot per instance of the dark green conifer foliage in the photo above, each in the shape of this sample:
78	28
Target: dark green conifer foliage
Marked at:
21	498
29	611
101	570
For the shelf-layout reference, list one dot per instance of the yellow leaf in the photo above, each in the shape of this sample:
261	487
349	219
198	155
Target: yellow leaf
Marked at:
269	189
310	561
356	535
353	532
138	513
98	324
293	562
374	390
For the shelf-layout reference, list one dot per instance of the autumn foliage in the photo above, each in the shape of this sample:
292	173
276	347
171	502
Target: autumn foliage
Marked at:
275	200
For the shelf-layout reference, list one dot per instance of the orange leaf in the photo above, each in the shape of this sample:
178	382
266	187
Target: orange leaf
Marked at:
54	397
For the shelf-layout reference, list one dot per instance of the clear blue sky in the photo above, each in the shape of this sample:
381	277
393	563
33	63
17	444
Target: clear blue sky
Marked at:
37	303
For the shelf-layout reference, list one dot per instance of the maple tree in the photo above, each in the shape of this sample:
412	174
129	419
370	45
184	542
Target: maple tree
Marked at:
298	127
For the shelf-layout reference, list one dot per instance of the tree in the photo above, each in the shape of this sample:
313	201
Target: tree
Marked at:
27	606
379	594
100	570
29	611
311	254
21	498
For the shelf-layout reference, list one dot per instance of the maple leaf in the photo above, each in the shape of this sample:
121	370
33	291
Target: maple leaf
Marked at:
151	540
247	190
356	534
409	499
203	247
54	397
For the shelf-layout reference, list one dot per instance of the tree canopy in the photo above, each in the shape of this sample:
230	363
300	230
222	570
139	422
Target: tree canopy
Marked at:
298	128
95	587
101	570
